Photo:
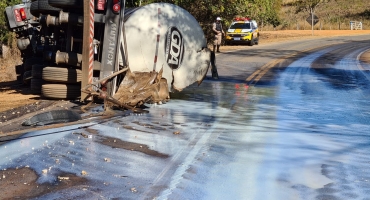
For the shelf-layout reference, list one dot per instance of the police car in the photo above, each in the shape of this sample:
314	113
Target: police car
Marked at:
242	31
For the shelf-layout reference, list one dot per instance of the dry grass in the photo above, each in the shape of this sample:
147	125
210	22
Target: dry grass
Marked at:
272	36
285	35
333	15
10	58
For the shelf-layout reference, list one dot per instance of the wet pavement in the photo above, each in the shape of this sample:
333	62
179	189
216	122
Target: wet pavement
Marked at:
300	133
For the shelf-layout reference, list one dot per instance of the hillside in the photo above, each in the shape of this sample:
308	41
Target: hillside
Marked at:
334	15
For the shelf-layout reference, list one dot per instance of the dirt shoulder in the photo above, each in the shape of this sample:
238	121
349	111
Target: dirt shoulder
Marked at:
267	37
278	36
17	100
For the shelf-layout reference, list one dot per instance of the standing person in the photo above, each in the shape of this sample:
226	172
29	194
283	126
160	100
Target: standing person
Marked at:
217	28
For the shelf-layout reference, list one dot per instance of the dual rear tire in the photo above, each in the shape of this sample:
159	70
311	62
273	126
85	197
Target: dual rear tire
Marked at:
66	3
52	82
61	91
64	83
55	82
43	7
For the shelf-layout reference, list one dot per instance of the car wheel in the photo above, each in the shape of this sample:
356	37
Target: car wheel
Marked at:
66	3
251	43
61	91
61	75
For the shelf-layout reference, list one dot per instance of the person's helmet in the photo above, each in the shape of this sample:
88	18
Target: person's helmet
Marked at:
218	18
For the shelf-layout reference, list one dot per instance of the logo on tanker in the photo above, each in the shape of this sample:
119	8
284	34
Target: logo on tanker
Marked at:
174	47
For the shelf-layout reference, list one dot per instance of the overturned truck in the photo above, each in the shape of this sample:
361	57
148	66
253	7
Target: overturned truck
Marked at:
127	56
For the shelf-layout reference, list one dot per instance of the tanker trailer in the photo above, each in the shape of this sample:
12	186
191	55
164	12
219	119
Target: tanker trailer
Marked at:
163	50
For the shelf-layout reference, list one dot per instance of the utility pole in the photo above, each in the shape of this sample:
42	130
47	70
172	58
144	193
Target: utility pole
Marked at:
87	49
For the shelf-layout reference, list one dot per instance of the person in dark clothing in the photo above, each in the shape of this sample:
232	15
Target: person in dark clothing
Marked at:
217	28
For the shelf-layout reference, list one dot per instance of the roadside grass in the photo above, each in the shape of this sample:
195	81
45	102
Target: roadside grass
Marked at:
10	58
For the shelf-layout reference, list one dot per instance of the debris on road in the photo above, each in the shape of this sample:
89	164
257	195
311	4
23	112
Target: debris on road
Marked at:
138	88
52	117
133	190
63	178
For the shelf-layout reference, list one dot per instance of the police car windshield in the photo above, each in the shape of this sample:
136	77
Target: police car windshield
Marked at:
241	26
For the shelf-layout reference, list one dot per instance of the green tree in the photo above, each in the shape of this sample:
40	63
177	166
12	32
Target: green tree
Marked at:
310	7
5	35
206	11
266	11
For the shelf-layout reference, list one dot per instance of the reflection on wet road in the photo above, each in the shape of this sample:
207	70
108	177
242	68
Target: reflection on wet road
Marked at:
304	137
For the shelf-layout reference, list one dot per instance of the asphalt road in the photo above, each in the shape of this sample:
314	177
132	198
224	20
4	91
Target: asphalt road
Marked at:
268	128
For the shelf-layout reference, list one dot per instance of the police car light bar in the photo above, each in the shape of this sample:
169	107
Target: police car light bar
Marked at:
242	19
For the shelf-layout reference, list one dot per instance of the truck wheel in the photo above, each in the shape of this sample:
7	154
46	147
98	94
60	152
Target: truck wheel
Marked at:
61	75
61	91
29	62
34	9
66	3
36	84
27	76
42	6
19	69
37	71
20	78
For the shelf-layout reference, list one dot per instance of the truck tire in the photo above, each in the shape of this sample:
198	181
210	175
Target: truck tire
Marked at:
27	76
37	71
19	69
61	91
29	62
66	3
42	6
20	78
36	84
61	75
34	9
